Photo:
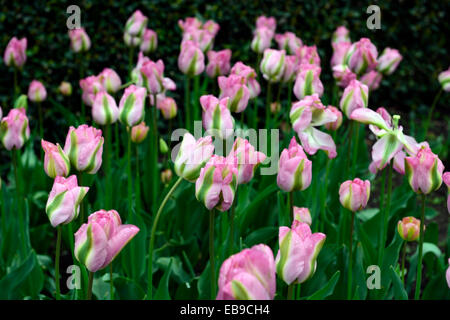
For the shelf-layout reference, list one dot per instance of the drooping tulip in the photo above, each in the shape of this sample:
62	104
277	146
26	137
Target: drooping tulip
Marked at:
65	88
79	40
247	159
444	80
266	22
424	171
302	215
191	60
362	56
294	168
218	63
193	156
308	81
333	126
15	53
63	204
100	240
104	109
168	107
216	116
149	41
234	87
296	260
36	91
354	194
341	34
248	275
136	24
90	86
262	39
288	41
249	74
110	80
356	95
372	79
131	105
446	179
84	147
409	228
14	129
139	132
56	162
272	64
389	61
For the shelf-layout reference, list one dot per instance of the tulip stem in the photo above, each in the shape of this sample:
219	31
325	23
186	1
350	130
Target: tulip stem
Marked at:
196	94
297	294
211	254
129	174
58	252
152	237
355	148
350	259
187	108
430	114
381	244
80	183
231	241
290	293
403	262
108	167
324	197
41	123
111	283
349	148
385	212
268	100
155	175
138	182
290	207
130	60
16	88
289	100
91	281
421	237
17	176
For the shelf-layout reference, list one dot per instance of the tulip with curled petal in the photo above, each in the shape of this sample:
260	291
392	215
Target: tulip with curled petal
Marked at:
218	63
56	162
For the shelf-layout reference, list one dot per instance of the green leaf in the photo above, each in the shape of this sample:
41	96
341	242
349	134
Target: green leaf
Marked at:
327	289
16	277
399	289
263	235
162	292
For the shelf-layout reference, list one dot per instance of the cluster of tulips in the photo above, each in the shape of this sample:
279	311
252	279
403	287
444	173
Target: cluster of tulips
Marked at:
251	273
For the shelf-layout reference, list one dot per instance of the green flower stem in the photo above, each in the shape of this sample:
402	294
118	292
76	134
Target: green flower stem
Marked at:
211	254
58	252
130	60
16	87
350	259
290	207
154	162
111	283
41	123
125	85
232	215
403	262
430	114
152	238
196	106
355	148
268	100
421	237
385	211
138	182
349	147
17	175
187	107
130	177
297	294
290	293
324	194
117	139
89	289
382	195
81	67
108	183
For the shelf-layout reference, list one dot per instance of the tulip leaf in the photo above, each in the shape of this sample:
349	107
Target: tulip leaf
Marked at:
327	290
162	292
399	289
16	277
263	235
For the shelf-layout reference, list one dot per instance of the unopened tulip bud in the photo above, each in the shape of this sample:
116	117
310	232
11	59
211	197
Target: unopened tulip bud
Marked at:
308	55
290	69
15	53
234	87
36	91
409	228
339	52
136	24
56	162
218	63
444	80
131	105
275	107
168	107
446	179
248	159
333	126
355	96
21	102
273	64
202	38
139	132
355	194
261	40
166	176
65	88
110	80
14	129
302	215
104	109
341	34
372	79
149	41
288	42
152	76
389	61
216	116
79	40
362	56
191	60
90	86
308	81
163	148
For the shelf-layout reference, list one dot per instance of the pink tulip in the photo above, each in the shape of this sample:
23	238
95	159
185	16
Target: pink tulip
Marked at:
191	60
302	215
355	194
216	116
249	74
273	64
362	56
84	147
139	132
262	39
447	274
307	81
14	129
247	159
110	80
333	126
149	41
294	168
15	53
65	88
234	87
248	275
36	91
372	79
389	61
202	38
90	86
56	162
355	96
340	35
132	105
211	27
168	107
152	76
339	52
288	42
79	40
290	69
217	183
136	24
444	80
104	109
343	75
308	55
297	258
409	228
266	22
189	23
63	204
100	240
218	63
446	179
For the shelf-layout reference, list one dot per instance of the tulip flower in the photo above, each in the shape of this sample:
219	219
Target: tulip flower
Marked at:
343	75
288	42
356	95
372	79
149	41
444	80
248	159
36	91
341	34
307	81
56	162
234	87
248	275
216	116
389	61
307	114
100	240
290	69
294	168
15	53
202	38
131	105
266	22
65	88
447	274
409	228
217	183
136	24
308	55
166	176
339	52
249	74
272	65
193	156
362	56
424	171
139	132
189	23
354	194
262	39
110	80
63	204
14	129
90	86
446	179
152	75
218	63
333	126
79	40
296	259
302	215
191	60
211	27
104	109
84	147
168	107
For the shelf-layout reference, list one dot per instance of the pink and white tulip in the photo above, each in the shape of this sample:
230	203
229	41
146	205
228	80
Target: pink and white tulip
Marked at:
202	38
409	228
131	105
362	56
389	61
191	60
14	129
302	215
372	79
168	107
110	80
234	87
90	86
290	69
288	42
354	194
250	75
149	41
343	75
341	34
339	52
307	81
355	96
216	116
79	40
273	64
266	22
139	132
444	80
218	63
308	55
248	159
262	39
56	162
333	126
152	76
136	24
15	53
104	109
446	179
36	91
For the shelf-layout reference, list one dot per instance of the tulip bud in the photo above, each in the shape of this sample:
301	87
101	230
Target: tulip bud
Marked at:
131	105
15	53
63	204
84	147
340	50
56	162
333	126
424	171
14	129
100	240
211	27
297	257
275	107
21	102
249	74
248	275
288	42
79	40
447	274
139	132
302	215
247	159
294	168
90	86
409	228
234	87
149	41
308	55
36	91
290	69
389	61
152	76
272	64
354	195
189	23
136	24
202	38
356	95
362	56
110	80
65	88
217	183
262	38
104	109
163	148
444	80
266	22
191	60
372	79
218	63
446	179
168	107
216	116
343	75
192	156
166	176
340	35
307	81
